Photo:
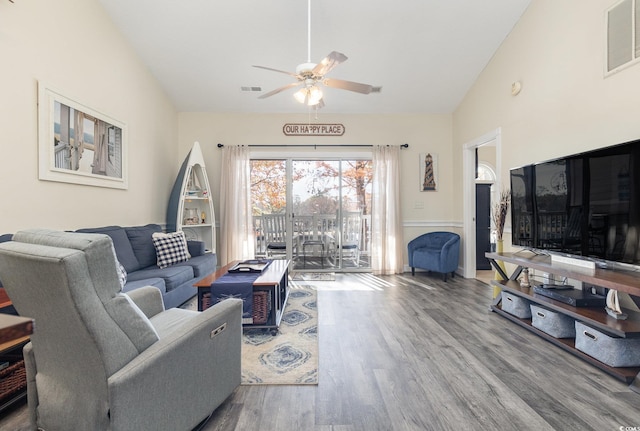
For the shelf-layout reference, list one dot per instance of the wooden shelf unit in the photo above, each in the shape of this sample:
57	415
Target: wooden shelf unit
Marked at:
623	281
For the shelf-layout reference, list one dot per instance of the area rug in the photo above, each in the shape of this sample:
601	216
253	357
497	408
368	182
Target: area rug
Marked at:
313	276
290	357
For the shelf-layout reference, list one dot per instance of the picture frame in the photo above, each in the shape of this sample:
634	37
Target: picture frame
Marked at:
428	172
97	157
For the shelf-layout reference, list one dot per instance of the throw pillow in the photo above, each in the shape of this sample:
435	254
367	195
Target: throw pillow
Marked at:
171	248
120	269
122	274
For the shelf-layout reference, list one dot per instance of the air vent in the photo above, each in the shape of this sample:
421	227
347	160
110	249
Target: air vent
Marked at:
623	35
251	89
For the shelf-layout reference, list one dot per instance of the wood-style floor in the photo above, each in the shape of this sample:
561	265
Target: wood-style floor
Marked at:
415	353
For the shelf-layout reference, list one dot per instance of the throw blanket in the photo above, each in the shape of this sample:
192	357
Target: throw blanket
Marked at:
236	285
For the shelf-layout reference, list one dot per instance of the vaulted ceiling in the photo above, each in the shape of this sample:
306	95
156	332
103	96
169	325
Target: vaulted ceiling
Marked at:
425	54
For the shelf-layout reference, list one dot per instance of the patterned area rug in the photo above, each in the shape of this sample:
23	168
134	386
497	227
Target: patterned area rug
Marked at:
314	276
291	356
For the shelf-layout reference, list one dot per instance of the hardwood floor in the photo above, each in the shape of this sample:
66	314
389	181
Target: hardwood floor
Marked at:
415	353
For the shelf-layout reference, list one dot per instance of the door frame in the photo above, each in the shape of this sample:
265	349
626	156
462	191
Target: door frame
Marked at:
469	194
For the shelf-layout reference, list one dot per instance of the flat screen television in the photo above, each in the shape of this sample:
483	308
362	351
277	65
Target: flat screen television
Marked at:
585	204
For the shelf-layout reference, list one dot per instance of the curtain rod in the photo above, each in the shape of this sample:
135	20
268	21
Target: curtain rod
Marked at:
316	145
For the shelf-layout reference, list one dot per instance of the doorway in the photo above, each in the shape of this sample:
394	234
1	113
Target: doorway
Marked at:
489	140
483	226
317	213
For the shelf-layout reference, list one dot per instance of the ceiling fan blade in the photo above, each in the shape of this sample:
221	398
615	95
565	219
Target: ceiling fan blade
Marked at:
278	90
348	85
327	64
277	70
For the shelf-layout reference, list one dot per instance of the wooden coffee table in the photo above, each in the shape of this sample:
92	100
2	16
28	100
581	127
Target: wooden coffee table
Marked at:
274	280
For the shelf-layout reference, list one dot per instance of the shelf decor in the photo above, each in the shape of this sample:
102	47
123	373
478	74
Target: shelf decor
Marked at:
500	210
79	145
499	216
190	207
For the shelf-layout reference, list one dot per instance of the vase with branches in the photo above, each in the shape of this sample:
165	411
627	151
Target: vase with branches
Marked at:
500	210
499	217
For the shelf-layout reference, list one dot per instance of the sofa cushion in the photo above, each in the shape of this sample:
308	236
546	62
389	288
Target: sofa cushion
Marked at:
202	265
121	243
142	244
173	276
171	248
155	282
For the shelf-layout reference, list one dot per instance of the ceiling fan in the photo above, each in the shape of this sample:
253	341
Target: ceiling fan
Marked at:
309	75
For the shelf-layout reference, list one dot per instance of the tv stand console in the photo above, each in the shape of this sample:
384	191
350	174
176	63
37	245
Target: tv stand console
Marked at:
623	281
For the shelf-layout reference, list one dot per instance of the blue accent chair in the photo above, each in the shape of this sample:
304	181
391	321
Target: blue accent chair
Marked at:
435	251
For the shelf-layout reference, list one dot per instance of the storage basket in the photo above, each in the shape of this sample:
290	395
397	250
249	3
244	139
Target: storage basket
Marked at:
613	351
13	379
556	324
261	305
516	305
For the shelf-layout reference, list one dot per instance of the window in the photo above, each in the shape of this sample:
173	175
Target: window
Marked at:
623	37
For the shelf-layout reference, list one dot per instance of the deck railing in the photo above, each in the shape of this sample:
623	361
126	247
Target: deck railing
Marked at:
317	226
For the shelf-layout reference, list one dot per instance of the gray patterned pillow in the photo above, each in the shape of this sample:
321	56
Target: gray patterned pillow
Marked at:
122	274
171	248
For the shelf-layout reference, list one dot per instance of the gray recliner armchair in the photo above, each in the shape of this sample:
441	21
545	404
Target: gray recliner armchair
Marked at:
103	360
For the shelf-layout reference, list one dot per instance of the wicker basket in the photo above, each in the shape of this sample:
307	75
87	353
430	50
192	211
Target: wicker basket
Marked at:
261	305
13	379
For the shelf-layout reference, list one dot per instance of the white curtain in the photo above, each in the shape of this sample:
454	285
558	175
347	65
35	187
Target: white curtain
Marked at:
236	228
386	222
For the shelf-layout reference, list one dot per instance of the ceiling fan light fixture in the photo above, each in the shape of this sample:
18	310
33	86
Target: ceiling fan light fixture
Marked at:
315	94
310	96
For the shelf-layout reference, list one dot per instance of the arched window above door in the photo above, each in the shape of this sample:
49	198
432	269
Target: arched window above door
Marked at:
486	173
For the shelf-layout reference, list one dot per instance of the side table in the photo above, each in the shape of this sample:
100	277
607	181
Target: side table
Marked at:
14	333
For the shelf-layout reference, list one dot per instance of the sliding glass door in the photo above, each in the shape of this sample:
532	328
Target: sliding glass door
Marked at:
315	212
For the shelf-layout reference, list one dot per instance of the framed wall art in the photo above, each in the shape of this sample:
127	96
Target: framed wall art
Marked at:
428	172
77	144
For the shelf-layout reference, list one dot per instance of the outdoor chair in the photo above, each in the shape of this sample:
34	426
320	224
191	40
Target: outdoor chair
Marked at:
274	227
351	236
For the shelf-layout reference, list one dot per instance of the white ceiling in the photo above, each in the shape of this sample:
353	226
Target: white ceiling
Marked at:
425	54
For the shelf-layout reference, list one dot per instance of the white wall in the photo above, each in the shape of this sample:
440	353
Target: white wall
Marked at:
423	133
566	105
72	46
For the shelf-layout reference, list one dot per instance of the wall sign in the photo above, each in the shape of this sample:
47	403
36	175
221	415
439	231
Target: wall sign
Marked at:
301	129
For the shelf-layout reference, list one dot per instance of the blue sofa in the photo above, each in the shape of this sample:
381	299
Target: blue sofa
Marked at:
136	252
435	251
